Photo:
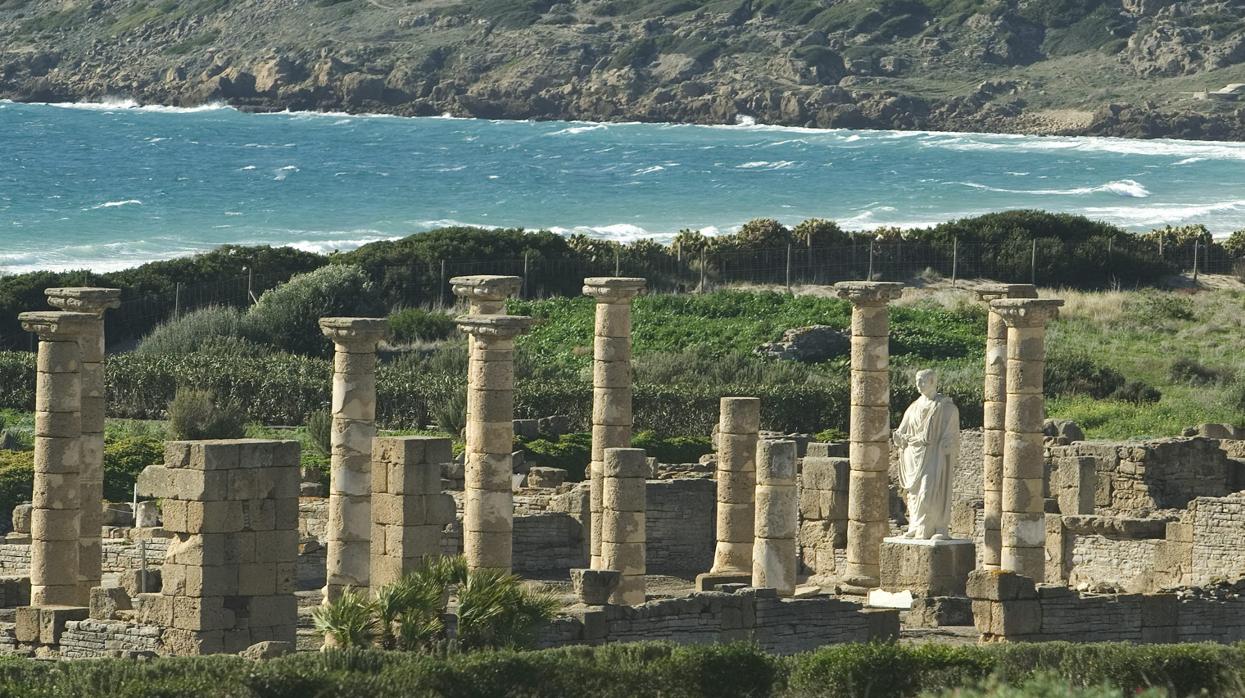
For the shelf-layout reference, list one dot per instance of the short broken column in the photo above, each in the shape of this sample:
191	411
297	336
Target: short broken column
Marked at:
409	510
774	552
1023	521
994	405
354	425
57	495
611	382
488	512
94	301
623	521
869	432
739	423
230	570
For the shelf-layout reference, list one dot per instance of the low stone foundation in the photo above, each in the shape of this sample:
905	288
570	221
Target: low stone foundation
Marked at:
98	638
782	626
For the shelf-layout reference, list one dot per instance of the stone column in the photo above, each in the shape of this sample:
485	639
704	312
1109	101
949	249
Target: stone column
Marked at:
774	553
1023	519
995	402
57	496
93	301
354	426
622	521
409	510
486	294
488	513
611	383
868	505
739	422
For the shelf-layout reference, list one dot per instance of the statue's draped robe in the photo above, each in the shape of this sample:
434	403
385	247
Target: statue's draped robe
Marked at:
929	436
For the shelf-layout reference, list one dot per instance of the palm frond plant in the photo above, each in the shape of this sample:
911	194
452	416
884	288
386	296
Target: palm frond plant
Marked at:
496	610
349	621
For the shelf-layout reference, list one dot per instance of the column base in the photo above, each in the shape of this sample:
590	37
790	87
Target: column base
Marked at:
709	581
927	567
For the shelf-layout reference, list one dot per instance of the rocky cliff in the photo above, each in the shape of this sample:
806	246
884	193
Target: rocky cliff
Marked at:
1104	67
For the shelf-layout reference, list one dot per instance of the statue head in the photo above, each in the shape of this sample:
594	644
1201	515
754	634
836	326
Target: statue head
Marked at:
927	382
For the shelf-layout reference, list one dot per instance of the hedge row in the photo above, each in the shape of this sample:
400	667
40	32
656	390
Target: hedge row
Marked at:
650	669
284	390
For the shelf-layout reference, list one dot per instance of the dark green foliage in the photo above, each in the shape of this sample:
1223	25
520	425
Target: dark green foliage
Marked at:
218	326
1194	372
571	452
197	414
17	380
450	414
289	315
1080	375
417	324
320	430
17	476
1137	392
124	459
675	449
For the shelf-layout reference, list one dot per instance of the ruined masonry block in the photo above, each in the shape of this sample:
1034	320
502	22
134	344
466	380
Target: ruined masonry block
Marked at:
409	511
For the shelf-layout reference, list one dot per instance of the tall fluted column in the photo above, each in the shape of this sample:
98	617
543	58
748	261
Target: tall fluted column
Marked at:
354	426
488	513
868	503
93	301
739	422
623	521
611	383
777	517
1023	520
57	496
995	403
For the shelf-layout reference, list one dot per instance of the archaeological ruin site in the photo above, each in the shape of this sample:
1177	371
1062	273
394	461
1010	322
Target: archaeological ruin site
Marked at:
775	539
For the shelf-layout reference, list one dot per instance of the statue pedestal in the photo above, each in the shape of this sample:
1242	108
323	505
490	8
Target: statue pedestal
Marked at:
927	567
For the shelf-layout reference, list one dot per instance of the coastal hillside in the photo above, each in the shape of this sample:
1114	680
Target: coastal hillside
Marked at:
1136	68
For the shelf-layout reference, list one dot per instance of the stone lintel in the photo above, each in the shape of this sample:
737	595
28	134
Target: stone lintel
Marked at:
354	330
868	292
486	287
503	326
1026	312
614	289
991	292
84	299
58	324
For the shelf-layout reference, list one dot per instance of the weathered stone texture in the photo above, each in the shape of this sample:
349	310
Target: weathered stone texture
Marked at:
1159	474
409	511
739	424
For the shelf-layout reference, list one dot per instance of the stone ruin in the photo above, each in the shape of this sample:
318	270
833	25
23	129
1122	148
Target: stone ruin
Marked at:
788	541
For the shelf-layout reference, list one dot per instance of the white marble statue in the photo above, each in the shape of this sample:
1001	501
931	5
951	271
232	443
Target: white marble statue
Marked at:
929	441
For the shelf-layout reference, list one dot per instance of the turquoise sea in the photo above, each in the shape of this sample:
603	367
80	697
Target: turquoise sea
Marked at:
105	186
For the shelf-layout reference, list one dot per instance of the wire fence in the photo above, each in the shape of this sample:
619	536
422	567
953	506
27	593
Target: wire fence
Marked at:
1043	261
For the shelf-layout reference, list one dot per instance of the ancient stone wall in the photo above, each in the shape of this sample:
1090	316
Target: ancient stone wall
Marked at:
117	556
1162	474
1009	607
1218	538
783	626
83	639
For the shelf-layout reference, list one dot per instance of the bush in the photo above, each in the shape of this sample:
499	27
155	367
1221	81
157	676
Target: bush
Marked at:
196	414
451	415
320	430
1080	375
418	325
571	452
17	476
674	449
289	315
124	459
1193	372
191	332
1138	393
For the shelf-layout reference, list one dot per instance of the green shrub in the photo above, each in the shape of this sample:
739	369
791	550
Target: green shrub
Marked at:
320	430
571	452
196	414
674	449
289	315
419	325
1074	374
450	415
17	476
17	380
192	331
1188	370
124	459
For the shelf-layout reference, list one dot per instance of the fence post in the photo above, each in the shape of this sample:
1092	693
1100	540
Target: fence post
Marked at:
250	284
955	259
812	271
701	287
617	260
1033	263
788	268
177	300
870	276
441	287
523	288
1195	246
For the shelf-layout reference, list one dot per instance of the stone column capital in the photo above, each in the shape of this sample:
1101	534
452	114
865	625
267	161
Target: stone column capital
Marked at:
486	287
992	292
868	292
1026	312
84	299
493	326
358	332
58	325
614	289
